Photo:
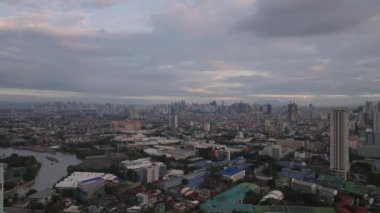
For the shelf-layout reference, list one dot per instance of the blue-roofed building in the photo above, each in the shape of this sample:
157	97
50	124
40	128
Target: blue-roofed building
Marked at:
299	173
195	178
233	173
195	182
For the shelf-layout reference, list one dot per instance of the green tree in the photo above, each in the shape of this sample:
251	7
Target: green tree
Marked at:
251	197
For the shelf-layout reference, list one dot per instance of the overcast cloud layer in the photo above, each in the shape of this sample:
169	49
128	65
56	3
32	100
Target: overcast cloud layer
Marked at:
319	51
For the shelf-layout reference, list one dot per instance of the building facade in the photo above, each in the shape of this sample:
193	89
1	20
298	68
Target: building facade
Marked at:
376	126
339	147
292	112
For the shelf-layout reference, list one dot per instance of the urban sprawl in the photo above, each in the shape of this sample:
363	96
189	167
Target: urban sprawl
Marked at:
183	157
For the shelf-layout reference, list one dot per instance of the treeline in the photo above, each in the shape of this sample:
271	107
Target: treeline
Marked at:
14	160
30	164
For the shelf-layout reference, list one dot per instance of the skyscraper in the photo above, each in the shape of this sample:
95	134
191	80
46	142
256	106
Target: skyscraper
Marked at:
268	109
2	167
339	147
292	112
376	126
173	122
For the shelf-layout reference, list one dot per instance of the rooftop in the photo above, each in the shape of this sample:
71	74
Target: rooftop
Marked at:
291	209
72	181
231	171
226	201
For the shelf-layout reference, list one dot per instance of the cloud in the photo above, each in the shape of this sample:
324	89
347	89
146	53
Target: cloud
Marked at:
191	52
308	17
63	5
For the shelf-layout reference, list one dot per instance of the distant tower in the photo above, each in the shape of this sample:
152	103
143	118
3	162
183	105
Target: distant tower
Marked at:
207	127
173	122
311	111
376	126
339	147
292	112
268	109
2	167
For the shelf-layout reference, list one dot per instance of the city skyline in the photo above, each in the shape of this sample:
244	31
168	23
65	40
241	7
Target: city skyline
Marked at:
322	52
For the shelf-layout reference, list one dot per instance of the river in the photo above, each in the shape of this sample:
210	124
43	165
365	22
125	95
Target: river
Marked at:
49	172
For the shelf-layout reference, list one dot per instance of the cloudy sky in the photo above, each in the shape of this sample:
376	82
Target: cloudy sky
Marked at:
318	51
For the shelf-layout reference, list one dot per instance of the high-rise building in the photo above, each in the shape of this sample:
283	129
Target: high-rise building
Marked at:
339	147
369	112
292	112
376	126
2	167
311	111
173	122
207	127
268	109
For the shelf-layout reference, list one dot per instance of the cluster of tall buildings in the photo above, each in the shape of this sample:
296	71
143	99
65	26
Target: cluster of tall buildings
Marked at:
371	117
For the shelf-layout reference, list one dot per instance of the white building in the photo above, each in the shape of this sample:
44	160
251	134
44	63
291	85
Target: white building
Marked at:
72	182
327	192
302	186
339	147
154	172
136	164
145	170
275	194
274	151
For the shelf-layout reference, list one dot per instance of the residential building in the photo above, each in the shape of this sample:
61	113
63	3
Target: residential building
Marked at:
326	192
233	174
173	122
292	112
339	147
304	187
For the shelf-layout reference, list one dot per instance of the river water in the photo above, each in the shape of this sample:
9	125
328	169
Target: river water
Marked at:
50	172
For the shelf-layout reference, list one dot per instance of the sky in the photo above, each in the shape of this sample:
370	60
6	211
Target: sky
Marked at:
325	52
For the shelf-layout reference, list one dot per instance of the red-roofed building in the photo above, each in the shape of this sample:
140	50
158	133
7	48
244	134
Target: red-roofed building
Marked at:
343	201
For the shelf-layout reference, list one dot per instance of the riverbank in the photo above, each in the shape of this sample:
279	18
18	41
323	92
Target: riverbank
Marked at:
49	172
18	187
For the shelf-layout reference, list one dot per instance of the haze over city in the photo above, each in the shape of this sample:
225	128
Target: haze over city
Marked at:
190	106
324	52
